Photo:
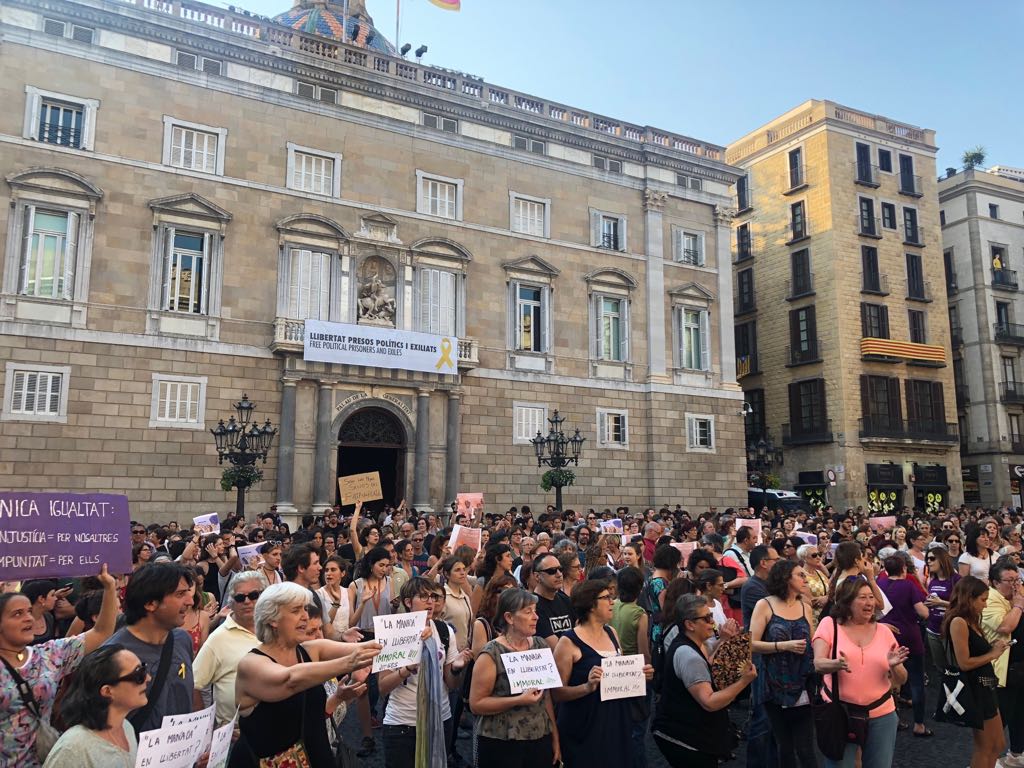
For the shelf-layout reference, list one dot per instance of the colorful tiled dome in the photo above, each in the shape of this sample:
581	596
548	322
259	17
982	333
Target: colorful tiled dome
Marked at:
325	18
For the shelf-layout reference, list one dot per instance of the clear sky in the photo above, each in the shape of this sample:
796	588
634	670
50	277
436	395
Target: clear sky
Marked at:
716	70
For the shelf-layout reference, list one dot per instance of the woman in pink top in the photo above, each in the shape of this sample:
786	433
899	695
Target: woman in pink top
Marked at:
869	662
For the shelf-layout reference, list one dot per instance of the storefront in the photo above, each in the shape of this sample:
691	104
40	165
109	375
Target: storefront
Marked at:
972	486
1016	475
931	487
885	487
813	487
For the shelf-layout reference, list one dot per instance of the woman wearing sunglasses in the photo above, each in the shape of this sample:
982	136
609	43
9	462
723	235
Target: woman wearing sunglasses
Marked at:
108	684
942	577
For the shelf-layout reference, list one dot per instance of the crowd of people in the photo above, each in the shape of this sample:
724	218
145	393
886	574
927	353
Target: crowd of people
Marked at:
830	606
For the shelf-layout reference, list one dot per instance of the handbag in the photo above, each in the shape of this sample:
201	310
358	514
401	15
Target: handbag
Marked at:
956	701
831	724
731	658
46	734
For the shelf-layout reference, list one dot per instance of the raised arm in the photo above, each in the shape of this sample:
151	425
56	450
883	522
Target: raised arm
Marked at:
107	616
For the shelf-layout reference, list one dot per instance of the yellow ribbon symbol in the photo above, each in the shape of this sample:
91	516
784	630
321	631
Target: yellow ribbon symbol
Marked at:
446	354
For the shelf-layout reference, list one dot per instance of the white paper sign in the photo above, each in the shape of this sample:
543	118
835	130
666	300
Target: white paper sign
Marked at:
399	636
247	553
612	526
623	677
201	721
753	525
220	746
465	536
205	524
178	744
527	670
379	347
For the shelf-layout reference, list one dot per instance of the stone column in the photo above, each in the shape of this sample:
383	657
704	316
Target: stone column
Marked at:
421	469
723	263
654	250
286	450
323	483
453	448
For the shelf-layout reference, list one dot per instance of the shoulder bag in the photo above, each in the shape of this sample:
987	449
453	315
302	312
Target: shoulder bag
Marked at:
46	734
956	700
140	716
830	721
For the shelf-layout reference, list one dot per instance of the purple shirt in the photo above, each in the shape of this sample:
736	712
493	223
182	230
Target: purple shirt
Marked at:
942	588
904	596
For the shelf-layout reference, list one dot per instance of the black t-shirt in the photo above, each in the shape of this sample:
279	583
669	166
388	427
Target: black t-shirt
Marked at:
348	552
555	616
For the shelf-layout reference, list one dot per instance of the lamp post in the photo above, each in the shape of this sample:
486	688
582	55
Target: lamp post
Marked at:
761	458
242	444
557	451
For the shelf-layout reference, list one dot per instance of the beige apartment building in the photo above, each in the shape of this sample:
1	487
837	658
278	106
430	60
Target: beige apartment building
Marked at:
185	185
982	215
842	336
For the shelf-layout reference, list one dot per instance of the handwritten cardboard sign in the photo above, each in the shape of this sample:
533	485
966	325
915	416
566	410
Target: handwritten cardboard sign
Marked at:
57	535
205	524
527	670
686	548
178	742
363	487
220	745
399	636
247	554
612	526
623	677
464	536
882	524
469	503
201	721
754	525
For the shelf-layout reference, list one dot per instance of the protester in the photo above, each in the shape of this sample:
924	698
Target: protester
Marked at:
979	557
335	598
270	563
1001	620
942	578
811	558
370	595
555	615
632	626
197	615
908	609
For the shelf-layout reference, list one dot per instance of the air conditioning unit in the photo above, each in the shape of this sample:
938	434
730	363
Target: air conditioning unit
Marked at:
328	96
53	27
82	34
186	60
306	90
211	66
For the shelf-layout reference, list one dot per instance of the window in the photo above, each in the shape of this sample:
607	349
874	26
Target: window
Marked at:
612	429
309	284
700	433
865	170
880	403
694	342
179	402
745	290
746	349
437	302
874	321
993	211
530	215
1010	371
60	119
744	249
926	405
612	329
796	168
754	426
310	170
884	160
186	272
687	247
1015	433
316	92
915	277
803	336
65	29
36	392
999	261
607	164
867	217
942	218
690	182
439	196
530	335
918	331
869	267
888	216
527	420
529	144
194	147
607	230
908	182
800	269
798	221
743	193
1003	313
910	231
50	253
807	407
440	123
187	60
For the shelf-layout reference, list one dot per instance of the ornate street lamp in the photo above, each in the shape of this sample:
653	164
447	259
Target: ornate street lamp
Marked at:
557	451
242	444
761	458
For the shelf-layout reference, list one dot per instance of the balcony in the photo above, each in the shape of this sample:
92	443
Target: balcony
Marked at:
876	285
801	287
798	231
610	240
951	286
1004	279
1009	333
910	185
811	353
869	226
919	290
807	435
289	336
913	237
963	395
793	180
865	174
62	135
884	428
1013	392
747	365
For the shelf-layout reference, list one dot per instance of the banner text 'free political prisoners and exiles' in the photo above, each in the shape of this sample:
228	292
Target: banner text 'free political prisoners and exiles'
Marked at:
55	535
380	347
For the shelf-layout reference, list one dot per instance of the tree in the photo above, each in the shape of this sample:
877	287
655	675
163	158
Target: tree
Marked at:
974	157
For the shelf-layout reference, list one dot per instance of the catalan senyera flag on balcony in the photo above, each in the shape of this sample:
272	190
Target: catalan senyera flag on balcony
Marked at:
448	5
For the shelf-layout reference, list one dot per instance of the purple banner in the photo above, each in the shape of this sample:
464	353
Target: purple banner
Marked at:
60	535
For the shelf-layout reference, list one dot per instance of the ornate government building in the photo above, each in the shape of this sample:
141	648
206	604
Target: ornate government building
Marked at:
185	185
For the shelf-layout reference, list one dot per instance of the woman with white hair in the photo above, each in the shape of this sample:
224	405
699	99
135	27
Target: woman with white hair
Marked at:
810	556
279	689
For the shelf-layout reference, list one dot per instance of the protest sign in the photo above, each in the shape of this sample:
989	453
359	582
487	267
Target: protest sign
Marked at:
247	554
686	548
62	535
465	536
612	526
178	742
469	503
362	487
623	677
205	524
220	745
626	538
527	670
399	637
350	344
202	724
809	538
754	525
882	524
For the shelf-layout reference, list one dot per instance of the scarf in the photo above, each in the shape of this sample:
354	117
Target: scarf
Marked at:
431	751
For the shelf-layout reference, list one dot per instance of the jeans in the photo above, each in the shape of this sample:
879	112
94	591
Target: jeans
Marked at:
878	751
761	749
456	706
1011	707
639	735
681	757
499	753
915	678
400	744
793	728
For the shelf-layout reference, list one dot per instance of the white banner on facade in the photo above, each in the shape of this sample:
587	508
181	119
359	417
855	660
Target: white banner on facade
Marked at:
380	347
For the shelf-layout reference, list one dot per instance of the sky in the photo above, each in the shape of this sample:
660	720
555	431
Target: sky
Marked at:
716	70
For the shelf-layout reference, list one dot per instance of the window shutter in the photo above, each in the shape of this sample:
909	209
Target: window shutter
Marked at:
677	245
863	321
294	281
812	331
165	300
326	264
425	300
545	318
602	427
447	303
204	305
794	408
911	402
895	407
596	347
691	432
794	330
624	330
623	239
513	315
822	414
595	228
53	406
865	397
70	249
700	250
938	404
26	260
883	318
705	342
18	396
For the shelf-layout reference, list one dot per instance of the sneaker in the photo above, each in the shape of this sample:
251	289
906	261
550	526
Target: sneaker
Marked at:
1010	760
367	748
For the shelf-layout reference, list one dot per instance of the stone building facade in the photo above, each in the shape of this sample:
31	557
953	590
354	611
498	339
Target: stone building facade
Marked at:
186	184
842	333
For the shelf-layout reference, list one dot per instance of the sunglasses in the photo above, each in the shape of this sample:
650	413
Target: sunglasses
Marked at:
253	596
137	676
931	558
707	617
952	541
549	571
815	555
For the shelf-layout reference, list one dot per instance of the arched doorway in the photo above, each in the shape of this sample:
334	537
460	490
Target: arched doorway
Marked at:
373	440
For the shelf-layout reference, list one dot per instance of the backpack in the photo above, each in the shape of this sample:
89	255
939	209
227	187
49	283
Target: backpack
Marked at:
659	655
444	632
648	600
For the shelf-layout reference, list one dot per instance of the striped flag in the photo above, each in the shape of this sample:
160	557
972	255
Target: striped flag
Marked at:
448	5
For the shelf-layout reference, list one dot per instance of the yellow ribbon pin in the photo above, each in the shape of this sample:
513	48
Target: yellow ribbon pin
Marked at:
446	354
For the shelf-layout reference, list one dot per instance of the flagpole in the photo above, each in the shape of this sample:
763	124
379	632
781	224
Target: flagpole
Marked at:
398	23
344	22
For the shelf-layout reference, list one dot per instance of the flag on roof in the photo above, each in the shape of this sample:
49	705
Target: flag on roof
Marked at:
448	5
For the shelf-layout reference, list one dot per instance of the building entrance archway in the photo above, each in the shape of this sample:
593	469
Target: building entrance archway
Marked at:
374	440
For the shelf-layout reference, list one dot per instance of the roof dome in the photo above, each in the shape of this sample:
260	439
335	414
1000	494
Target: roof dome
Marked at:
327	19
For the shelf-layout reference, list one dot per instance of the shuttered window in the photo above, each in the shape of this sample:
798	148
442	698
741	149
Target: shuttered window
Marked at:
309	284
36	393
437	302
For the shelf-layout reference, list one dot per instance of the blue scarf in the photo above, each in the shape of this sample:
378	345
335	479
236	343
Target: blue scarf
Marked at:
431	751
